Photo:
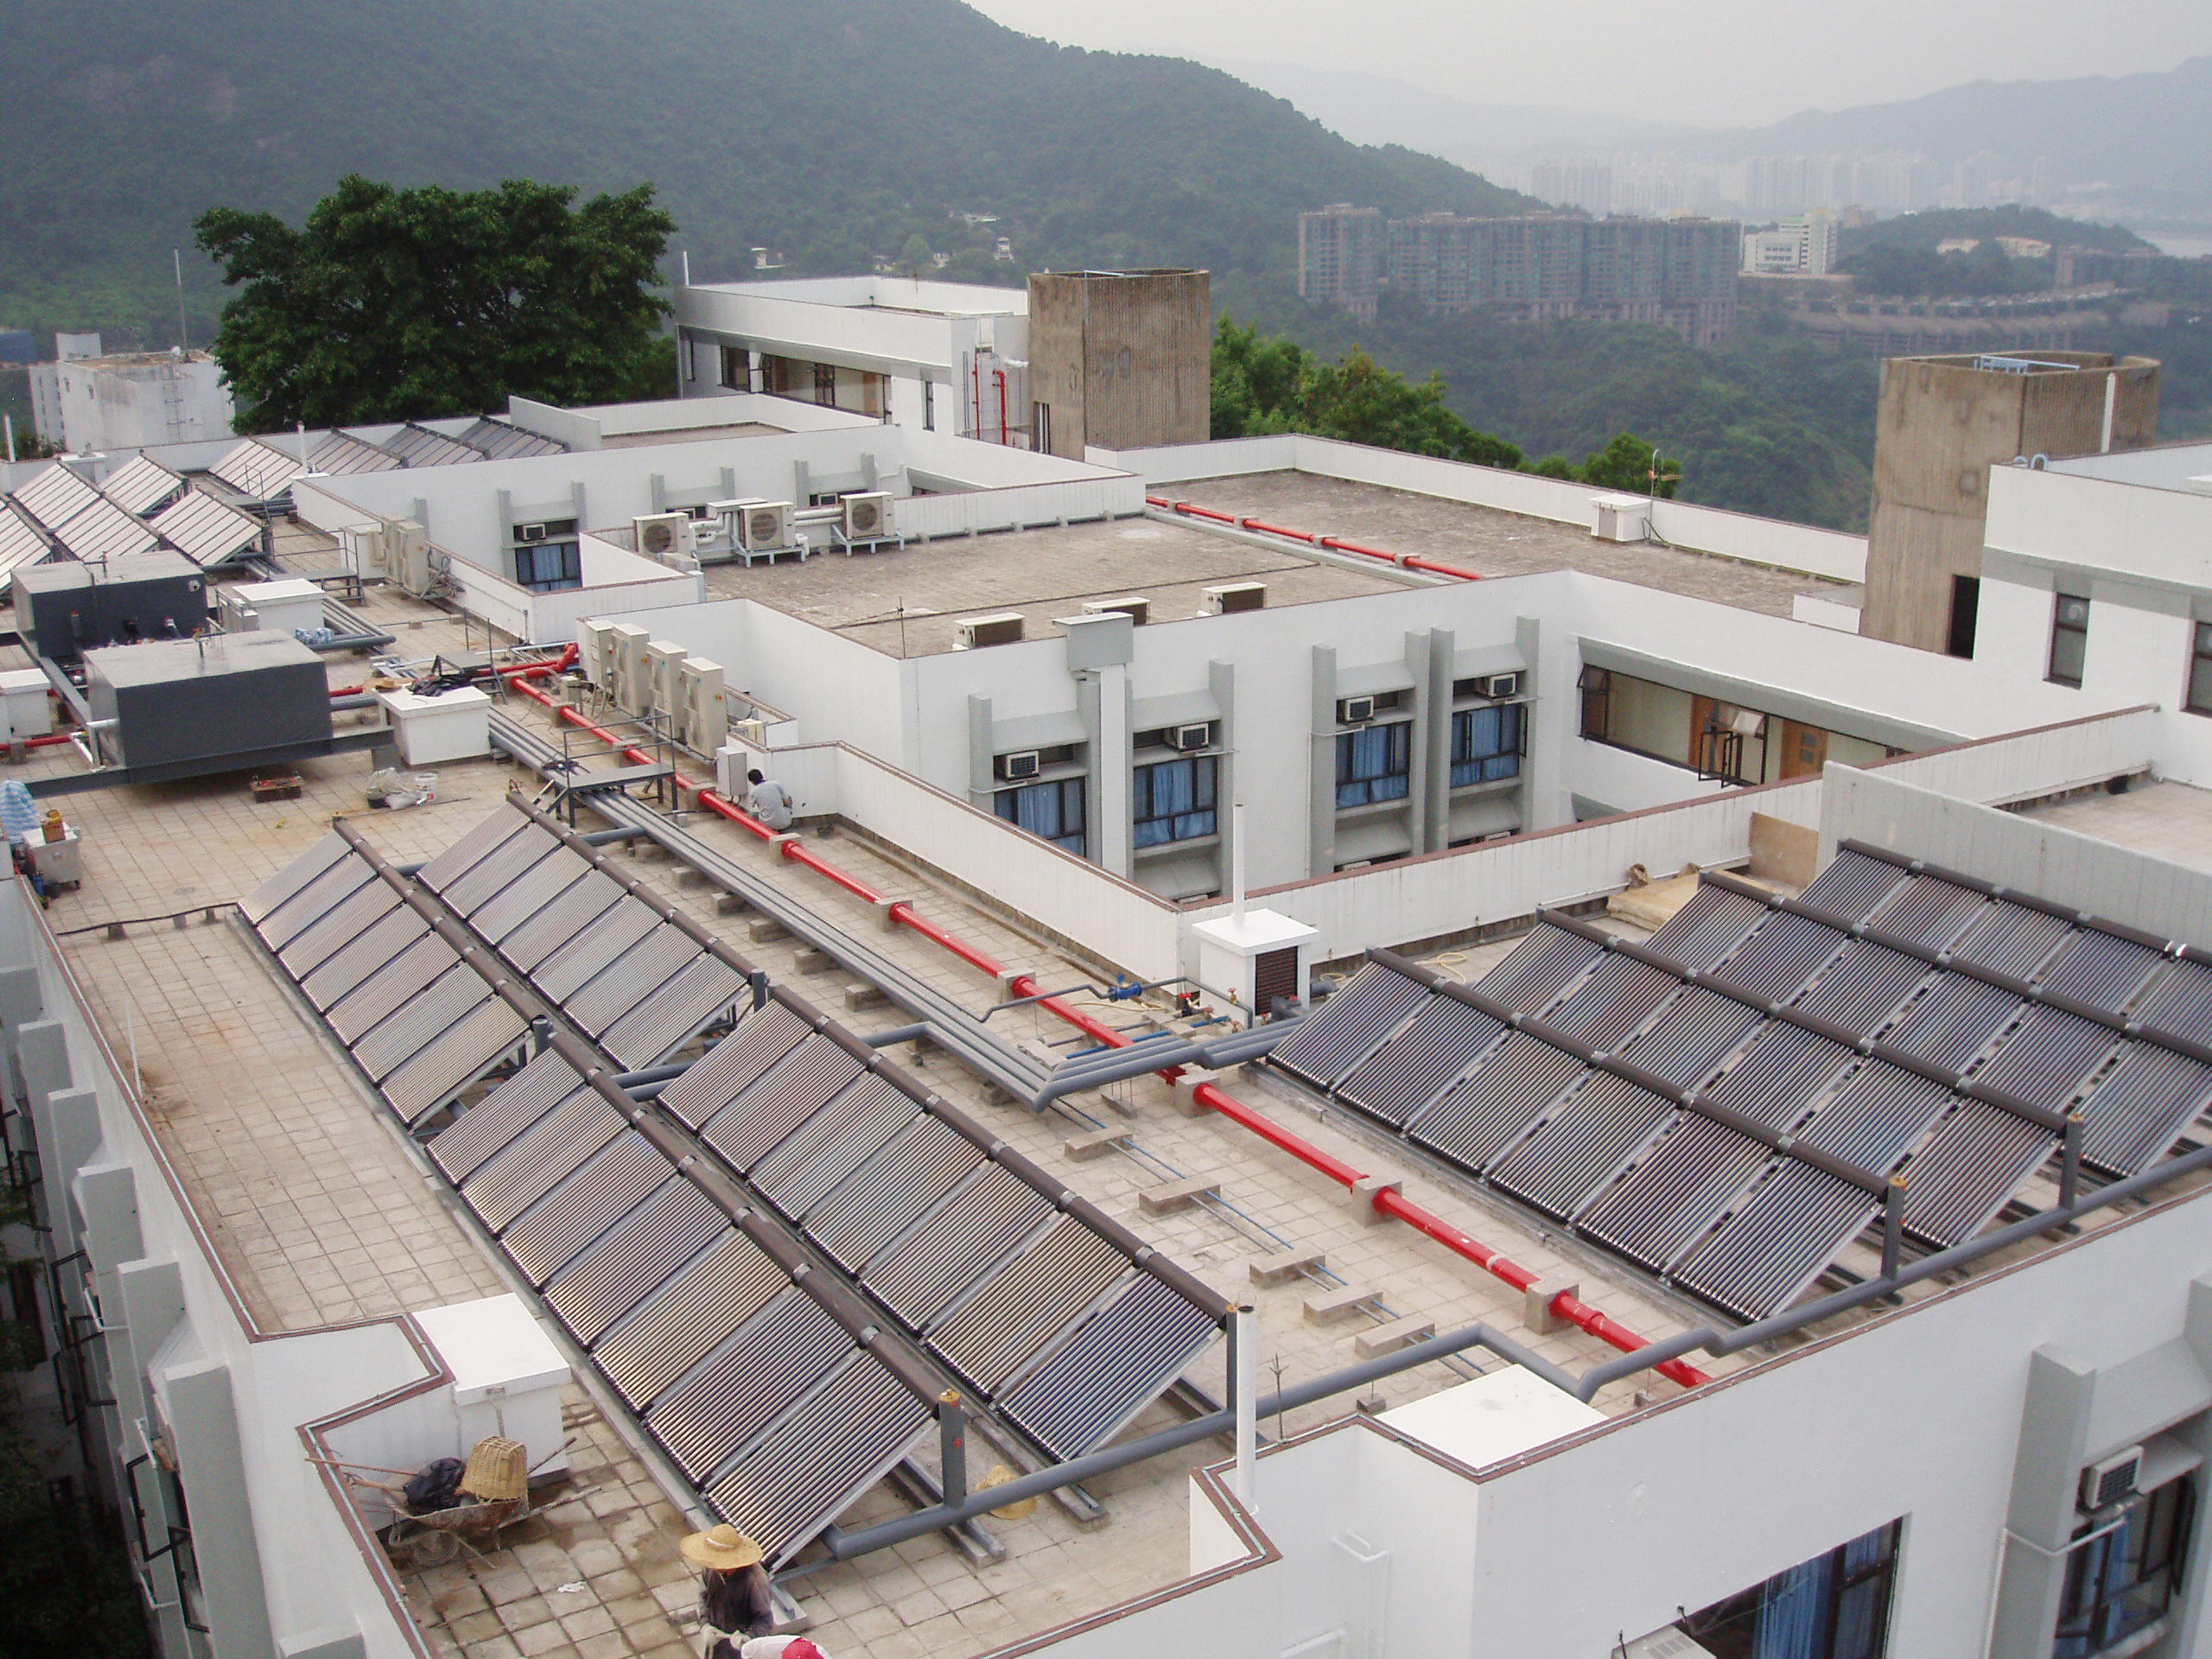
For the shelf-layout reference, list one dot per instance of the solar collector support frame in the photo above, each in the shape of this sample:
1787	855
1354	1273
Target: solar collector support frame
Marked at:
1106	1413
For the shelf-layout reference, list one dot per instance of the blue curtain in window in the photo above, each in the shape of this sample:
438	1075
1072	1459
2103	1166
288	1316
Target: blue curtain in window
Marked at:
1793	1611
1371	765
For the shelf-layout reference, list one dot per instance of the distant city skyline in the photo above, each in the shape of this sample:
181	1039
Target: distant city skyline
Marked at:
1708	63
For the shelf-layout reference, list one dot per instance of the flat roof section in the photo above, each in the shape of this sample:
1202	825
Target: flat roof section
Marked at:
2168	821
688	434
1486	539
1044	573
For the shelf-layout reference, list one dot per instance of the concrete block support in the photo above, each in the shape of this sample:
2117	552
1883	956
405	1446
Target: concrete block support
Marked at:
212	1468
1537	1303
1360	1197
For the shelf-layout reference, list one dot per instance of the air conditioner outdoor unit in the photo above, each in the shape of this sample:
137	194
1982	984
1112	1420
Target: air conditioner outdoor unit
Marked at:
2108	1480
1502	685
1135	606
630	685
1001	628
595	648
363	546
1020	765
753	733
1355	711
529	533
661	688
1668	1643
766	526
1193	737
407	555
1234	596
662	535
701	710
867	517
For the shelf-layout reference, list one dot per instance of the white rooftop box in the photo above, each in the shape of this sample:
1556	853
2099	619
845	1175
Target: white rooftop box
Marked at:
1621	517
507	1376
454	725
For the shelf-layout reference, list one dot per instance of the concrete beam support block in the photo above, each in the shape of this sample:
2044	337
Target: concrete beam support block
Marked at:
812	962
688	877
777	841
1334	1307
1178	1195
729	904
884	912
1186	1092
1360	1197
1388	1338
1282	1266
858	997
1537	1303
1006	977
766	932
1094	1143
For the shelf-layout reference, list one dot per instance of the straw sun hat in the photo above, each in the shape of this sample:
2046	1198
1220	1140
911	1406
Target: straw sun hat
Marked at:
721	1548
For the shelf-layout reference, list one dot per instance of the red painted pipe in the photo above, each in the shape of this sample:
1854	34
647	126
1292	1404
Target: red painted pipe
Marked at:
47	741
1333	544
999	376
1389	1201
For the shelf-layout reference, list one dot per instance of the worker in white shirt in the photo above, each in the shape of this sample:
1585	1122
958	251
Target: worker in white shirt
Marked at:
768	801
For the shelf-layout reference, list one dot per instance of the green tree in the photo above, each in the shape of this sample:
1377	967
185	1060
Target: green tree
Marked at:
916	258
391	304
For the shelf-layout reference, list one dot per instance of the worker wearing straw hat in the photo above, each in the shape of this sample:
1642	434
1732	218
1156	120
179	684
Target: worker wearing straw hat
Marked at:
732	1585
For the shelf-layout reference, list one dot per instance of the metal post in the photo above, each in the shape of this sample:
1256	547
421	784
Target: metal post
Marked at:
1244	1332
1892	1228
952	1448
1237	862
758	980
2112	406
2070	1163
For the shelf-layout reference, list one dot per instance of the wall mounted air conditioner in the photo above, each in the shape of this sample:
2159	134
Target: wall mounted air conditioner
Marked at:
1355	711
766	526
1502	685
865	518
2108	1480
662	535
1135	606
1192	737
529	533
1001	628
1019	765
1234	596
702	708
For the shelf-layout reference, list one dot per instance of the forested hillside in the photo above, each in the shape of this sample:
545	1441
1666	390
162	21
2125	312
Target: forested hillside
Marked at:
834	131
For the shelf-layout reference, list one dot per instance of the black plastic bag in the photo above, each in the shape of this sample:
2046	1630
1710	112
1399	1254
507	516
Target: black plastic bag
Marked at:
435	1487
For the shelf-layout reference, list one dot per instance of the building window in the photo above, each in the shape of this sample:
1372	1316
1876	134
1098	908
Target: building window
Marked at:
2069	639
2200	670
1040	428
1174	801
543	567
928	405
1373	764
1966	606
737	368
2120	1584
825	384
1485	745
1596	688
1052	811
1834	1606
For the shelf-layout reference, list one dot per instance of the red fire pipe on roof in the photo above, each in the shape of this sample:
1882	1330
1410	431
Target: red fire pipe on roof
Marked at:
1333	544
1389	1201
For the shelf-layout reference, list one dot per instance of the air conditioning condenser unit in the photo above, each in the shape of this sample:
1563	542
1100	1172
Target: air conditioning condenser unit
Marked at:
1234	596
1001	628
764	526
663	535
865	518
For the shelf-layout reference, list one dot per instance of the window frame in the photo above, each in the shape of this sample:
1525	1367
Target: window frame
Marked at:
2088	1570
1595	687
2200	656
2078	632
1007	804
1205	794
571	568
1398	748
1511	748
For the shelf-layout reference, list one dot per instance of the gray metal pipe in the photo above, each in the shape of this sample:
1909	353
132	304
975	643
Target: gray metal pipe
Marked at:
845	1545
609	837
1156	1055
897	1034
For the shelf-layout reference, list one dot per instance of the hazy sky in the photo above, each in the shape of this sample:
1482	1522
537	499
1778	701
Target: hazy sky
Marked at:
1706	62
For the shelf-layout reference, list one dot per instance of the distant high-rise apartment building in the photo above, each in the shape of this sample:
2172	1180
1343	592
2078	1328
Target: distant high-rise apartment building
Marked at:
1550	267
1803	244
1340	257
1584	181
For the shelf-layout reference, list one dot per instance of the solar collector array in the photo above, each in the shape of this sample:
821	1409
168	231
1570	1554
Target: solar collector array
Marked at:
1699	1188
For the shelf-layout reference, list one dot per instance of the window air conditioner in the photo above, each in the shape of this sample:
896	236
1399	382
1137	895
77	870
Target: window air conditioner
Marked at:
865	518
753	733
1232	597
1668	1643
1502	685
2111	1480
1001	628
529	533
766	526
1019	765
662	535
1355	711
1193	737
